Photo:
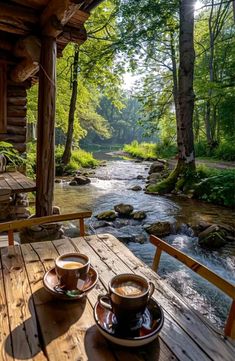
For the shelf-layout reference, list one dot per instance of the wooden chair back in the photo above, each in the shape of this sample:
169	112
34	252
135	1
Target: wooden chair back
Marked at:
203	271
12	226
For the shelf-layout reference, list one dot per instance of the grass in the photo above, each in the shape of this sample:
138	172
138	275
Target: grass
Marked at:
150	150
79	159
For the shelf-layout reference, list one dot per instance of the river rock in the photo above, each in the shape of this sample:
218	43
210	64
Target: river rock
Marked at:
139	215
79	180
156	167
159	228
124	210
136	188
140	176
106	215
101	224
212	237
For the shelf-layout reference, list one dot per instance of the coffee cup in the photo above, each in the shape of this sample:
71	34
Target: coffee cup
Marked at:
127	298
72	269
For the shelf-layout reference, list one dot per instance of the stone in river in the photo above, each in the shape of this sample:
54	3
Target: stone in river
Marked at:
106	215
124	209
136	188
139	215
212	237
159	228
156	167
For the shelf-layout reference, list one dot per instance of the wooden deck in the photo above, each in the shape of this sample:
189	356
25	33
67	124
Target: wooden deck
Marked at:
16	182
34	326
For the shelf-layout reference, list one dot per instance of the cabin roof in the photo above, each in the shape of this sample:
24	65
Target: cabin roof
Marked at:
24	22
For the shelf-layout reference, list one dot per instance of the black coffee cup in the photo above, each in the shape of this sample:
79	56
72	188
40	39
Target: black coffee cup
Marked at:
127	298
72	268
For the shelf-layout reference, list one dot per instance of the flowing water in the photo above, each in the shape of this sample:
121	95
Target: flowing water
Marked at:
111	185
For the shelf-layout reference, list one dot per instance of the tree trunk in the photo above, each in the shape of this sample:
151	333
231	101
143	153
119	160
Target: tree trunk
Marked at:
186	156
68	145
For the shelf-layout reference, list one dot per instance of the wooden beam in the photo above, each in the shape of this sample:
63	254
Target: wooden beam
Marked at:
17	19
29	49
3	96
74	35
195	266
56	15
45	169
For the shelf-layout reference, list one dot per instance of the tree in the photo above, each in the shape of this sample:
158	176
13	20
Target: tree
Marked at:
68	145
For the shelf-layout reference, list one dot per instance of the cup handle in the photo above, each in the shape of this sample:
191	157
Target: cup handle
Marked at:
102	300
151	289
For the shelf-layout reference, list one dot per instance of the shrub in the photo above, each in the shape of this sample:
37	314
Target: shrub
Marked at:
12	155
225	151
150	150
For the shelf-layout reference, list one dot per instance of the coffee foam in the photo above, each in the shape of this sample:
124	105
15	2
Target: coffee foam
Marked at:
71	260
129	288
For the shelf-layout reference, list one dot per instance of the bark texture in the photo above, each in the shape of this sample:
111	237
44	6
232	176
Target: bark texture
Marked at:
68	145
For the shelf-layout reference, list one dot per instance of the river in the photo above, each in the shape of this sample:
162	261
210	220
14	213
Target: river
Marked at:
111	185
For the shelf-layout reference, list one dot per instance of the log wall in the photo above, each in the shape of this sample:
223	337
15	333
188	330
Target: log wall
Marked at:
15	131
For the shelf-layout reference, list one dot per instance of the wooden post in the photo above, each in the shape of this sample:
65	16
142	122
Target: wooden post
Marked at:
156	259
82	227
230	324
10	237
45	172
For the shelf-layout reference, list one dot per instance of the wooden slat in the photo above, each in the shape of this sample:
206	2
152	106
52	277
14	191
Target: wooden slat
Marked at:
109	264
13	184
188	319
196	266
47	219
3	97
4	322
24	331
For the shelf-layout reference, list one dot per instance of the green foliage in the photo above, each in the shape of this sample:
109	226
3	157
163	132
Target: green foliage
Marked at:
224	151
216	186
141	150
79	159
150	150
12	155
31	159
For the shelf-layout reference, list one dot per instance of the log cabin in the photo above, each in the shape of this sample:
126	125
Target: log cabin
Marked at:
33	33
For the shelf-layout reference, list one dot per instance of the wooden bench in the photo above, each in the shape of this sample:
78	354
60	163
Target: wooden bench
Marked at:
203	271
12	226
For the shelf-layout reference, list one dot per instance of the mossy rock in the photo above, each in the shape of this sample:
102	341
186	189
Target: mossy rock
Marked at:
124	210
139	215
107	216
213	241
159	229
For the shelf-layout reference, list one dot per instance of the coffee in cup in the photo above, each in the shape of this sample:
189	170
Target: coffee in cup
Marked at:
70	268
127	298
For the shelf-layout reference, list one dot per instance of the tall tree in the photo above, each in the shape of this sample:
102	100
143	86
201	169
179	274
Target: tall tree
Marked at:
74	84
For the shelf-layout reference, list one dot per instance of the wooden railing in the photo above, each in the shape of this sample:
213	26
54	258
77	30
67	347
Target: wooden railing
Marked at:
203	271
12	226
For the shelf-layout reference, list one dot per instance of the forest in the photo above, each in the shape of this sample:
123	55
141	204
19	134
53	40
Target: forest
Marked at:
126	85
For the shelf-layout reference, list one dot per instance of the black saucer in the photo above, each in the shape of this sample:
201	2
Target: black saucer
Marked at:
51	283
149	328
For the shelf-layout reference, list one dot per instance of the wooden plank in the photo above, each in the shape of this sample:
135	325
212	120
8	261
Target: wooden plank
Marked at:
230	323
72	335
13	184
24	332
25	183
4	322
196	266
150	352
3	97
42	220
190	320
109	265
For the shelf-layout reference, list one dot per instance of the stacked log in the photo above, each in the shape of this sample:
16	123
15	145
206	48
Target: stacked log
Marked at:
16	116
19	206
5	200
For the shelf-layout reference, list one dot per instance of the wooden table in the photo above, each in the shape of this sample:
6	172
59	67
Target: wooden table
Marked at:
34	326
16	182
